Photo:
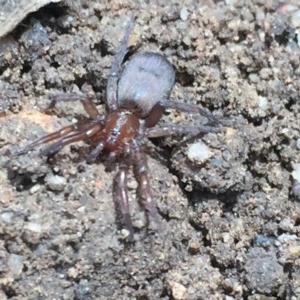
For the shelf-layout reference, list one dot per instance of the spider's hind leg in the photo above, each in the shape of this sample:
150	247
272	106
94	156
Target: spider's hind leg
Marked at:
193	108
168	130
144	193
120	198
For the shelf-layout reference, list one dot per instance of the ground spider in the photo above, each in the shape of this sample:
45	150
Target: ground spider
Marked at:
136	96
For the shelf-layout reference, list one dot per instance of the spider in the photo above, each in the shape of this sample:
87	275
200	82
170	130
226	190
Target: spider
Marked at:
137	94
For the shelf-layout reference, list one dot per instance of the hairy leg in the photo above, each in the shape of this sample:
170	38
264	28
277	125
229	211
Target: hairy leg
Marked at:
168	130
193	108
79	135
87	103
112	81
66	135
48	138
120	198
95	152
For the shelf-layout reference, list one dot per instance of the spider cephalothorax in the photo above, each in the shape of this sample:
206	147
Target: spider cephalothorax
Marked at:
136	96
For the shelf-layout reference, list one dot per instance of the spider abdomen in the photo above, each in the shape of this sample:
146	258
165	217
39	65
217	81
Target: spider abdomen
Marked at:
146	79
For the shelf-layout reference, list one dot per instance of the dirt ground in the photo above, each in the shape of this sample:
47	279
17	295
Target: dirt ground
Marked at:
230	217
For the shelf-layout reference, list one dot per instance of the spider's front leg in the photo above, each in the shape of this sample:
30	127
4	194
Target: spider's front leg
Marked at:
71	133
112	81
46	139
63	137
82	133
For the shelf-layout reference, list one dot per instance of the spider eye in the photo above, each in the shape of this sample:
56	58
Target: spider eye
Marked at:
114	132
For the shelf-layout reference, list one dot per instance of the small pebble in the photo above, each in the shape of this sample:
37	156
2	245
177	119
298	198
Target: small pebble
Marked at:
15	263
184	14
65	21
262	105
55	182
286	238
199	152
7	216
296	183
286	224
125	233
83	289
34	227
73	273
194	246
295	19
34	189
179	292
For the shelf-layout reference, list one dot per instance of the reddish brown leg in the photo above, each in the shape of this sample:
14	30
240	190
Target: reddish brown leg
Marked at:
144	193
87	103
71	138
57	135
120	197
96	151
155	132
48	138
112	81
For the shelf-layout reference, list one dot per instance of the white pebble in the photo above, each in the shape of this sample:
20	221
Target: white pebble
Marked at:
34	189
296	183
199	152
295	18
125	233
262	105
7	216
15	264
34	227
296	172
184	14
55	182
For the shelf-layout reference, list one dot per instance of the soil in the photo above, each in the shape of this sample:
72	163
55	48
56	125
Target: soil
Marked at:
230	218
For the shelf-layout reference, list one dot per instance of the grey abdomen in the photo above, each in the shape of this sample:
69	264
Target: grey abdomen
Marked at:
146	79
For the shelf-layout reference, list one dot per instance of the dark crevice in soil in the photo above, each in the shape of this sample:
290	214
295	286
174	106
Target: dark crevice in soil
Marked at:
283	38
102	47
45	15
24	182
185	79
9	292
26	67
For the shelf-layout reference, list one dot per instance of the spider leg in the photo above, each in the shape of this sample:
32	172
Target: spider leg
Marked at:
48	138
71	138
120	198
87	103
91	156
155	132
193	108
144	193
55	135
112	81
